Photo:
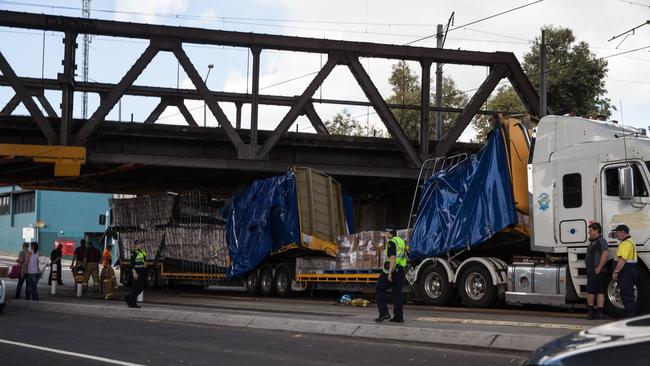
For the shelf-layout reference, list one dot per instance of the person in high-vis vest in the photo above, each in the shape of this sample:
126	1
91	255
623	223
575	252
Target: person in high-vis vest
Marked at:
139	272
392	277
625	269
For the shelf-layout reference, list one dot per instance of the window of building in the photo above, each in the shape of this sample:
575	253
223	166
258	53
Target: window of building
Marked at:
4	205
572	190
24	202
611	182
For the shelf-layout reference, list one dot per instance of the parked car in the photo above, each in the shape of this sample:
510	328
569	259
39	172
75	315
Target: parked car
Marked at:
622	342
3	295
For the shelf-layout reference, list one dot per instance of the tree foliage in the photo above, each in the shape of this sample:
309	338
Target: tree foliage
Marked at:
406	89
575	78
344	124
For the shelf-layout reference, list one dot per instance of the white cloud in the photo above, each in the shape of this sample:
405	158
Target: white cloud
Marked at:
147	11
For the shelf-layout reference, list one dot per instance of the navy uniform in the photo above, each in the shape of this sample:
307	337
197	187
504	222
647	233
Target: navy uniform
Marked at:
139	271
392	277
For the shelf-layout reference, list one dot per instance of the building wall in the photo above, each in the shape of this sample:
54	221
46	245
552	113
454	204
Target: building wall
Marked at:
69	215
66	215
11	236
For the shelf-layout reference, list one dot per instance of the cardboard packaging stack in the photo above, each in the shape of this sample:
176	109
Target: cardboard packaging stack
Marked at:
315	265
365	250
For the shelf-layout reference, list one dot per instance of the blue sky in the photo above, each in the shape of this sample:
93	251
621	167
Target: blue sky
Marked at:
594	21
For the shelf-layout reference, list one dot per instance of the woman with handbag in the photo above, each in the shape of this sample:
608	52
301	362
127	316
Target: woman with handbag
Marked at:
22	263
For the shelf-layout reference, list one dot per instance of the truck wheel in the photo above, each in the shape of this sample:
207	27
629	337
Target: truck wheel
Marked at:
151	280
266	281
434	286
252	283
476	288
613	301
282	282
643	288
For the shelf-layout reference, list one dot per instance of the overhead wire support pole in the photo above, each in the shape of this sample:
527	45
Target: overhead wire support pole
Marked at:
256	51
425	101
439	44
542	76
85	13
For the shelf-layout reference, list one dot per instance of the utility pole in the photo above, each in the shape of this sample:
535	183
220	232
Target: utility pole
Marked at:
85	13
542	77
439	44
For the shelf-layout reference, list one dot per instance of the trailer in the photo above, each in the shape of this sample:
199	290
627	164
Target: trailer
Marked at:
507	224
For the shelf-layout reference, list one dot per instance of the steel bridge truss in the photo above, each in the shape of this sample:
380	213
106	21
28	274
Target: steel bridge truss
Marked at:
171	39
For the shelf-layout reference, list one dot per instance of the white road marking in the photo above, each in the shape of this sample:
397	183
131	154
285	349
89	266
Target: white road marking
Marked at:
504	323
89	357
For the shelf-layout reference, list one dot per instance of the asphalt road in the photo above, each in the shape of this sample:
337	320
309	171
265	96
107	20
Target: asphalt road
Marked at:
132	342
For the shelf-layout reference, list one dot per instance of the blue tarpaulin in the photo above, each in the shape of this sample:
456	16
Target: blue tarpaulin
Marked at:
463	206
260	219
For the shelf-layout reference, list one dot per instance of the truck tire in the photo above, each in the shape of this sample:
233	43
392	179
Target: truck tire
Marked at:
434	286
613	302
252	283
475	287
643	288
151	280
266	280
282	282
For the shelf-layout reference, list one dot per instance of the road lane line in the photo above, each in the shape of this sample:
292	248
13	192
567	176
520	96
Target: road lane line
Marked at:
504	323
46	349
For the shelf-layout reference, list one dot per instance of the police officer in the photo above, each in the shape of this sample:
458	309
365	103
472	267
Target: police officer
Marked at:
625	269
139	272
392	277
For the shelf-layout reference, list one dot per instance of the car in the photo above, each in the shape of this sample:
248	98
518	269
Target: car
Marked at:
3	295
624	342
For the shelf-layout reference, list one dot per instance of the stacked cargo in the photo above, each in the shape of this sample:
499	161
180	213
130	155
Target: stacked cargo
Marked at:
365	250
186	230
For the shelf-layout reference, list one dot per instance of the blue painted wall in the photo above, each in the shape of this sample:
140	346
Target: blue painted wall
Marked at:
67	215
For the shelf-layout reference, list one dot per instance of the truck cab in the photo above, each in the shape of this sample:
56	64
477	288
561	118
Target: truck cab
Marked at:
584	170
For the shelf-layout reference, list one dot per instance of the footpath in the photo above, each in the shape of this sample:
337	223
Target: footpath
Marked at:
489	329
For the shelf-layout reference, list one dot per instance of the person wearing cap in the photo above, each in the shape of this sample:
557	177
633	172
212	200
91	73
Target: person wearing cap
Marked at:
597	279
392	277
625	269
138	272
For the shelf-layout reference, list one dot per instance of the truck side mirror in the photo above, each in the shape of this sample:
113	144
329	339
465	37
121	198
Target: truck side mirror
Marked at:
625	183
102	219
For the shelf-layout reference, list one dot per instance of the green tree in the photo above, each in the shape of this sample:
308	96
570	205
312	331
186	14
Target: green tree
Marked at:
406	89
344	124
575	79
506	99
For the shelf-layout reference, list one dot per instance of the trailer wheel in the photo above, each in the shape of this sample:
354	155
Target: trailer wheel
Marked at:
282	282
476	288
434	286
266	280
252	283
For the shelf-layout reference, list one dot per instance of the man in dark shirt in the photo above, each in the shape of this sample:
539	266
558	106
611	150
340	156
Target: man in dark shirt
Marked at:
391	278
597	279
78	265
92	267
55	260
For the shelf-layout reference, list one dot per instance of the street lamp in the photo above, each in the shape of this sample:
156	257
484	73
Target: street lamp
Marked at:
210	66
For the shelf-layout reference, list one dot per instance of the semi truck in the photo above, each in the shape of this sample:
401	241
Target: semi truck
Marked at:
573	171
507	224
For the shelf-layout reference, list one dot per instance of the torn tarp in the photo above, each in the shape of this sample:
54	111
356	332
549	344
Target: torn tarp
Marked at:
261	218
463	206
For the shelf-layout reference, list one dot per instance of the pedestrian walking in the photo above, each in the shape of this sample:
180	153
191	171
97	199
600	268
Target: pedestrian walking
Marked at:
55	261
392	277
34	270
92	267
108	274
22	262
138	272
597	278
625	269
